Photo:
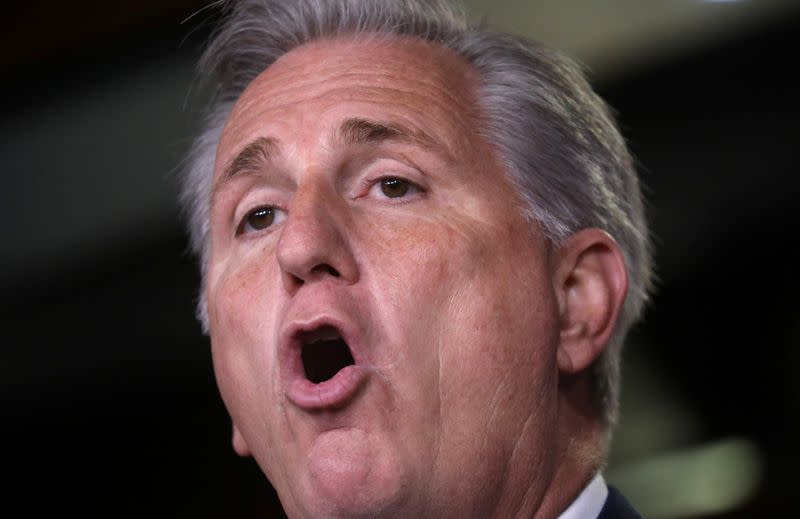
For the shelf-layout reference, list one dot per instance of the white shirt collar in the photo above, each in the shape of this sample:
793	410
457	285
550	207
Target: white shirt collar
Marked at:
589	503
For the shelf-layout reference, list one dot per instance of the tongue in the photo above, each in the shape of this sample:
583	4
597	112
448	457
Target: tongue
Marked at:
322	360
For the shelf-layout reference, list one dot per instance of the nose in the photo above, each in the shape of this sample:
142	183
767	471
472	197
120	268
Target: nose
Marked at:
313	244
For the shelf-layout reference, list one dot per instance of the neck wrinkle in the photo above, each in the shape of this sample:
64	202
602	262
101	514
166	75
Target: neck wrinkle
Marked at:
579	460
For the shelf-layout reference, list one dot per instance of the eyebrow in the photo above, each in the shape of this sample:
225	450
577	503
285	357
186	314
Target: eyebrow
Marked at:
250	160
364	131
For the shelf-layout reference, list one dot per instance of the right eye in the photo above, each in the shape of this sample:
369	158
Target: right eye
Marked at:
259	219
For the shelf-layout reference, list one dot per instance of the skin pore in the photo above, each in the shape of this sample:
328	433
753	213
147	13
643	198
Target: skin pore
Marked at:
352	191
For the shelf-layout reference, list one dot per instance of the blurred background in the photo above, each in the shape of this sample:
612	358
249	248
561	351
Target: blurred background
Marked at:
109	401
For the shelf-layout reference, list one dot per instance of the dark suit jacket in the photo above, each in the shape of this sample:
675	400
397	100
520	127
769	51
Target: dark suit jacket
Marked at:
617	507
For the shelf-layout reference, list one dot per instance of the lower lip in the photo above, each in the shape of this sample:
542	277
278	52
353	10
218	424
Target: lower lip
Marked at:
333	393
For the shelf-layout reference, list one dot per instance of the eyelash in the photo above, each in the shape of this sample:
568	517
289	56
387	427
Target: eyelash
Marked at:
414	189
277	214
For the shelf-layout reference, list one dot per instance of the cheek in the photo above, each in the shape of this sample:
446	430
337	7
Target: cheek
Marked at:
498	334
423	275
414	257
241	322
498	376
502	327
243	328
474	301
239	295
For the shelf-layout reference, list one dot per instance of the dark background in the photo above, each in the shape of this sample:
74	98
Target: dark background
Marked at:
109	401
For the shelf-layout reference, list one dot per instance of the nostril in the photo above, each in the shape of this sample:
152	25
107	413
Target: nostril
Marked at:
325	269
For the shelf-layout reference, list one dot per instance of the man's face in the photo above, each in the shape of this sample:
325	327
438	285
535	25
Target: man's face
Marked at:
359	222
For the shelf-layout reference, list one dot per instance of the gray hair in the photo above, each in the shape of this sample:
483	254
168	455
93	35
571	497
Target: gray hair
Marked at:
554	135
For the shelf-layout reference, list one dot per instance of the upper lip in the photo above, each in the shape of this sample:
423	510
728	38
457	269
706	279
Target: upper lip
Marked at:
290	340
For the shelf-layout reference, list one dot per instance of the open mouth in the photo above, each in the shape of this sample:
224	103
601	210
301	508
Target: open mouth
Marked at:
319	364
324	353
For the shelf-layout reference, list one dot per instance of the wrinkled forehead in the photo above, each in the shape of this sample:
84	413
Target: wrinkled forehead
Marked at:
419	83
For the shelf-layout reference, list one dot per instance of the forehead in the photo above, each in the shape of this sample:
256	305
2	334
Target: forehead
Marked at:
416	83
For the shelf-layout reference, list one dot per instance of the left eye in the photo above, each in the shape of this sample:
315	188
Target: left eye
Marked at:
393	187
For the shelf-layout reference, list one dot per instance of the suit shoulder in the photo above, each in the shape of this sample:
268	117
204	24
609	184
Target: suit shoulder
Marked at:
617	507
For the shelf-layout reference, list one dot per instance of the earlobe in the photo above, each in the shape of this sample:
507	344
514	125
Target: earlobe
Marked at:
590	281
239	445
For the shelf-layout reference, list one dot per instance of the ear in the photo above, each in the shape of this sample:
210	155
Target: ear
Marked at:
590	282
239	445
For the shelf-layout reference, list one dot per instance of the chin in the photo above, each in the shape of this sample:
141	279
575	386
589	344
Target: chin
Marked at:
346	476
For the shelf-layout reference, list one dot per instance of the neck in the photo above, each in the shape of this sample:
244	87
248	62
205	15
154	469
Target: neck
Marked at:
580	442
